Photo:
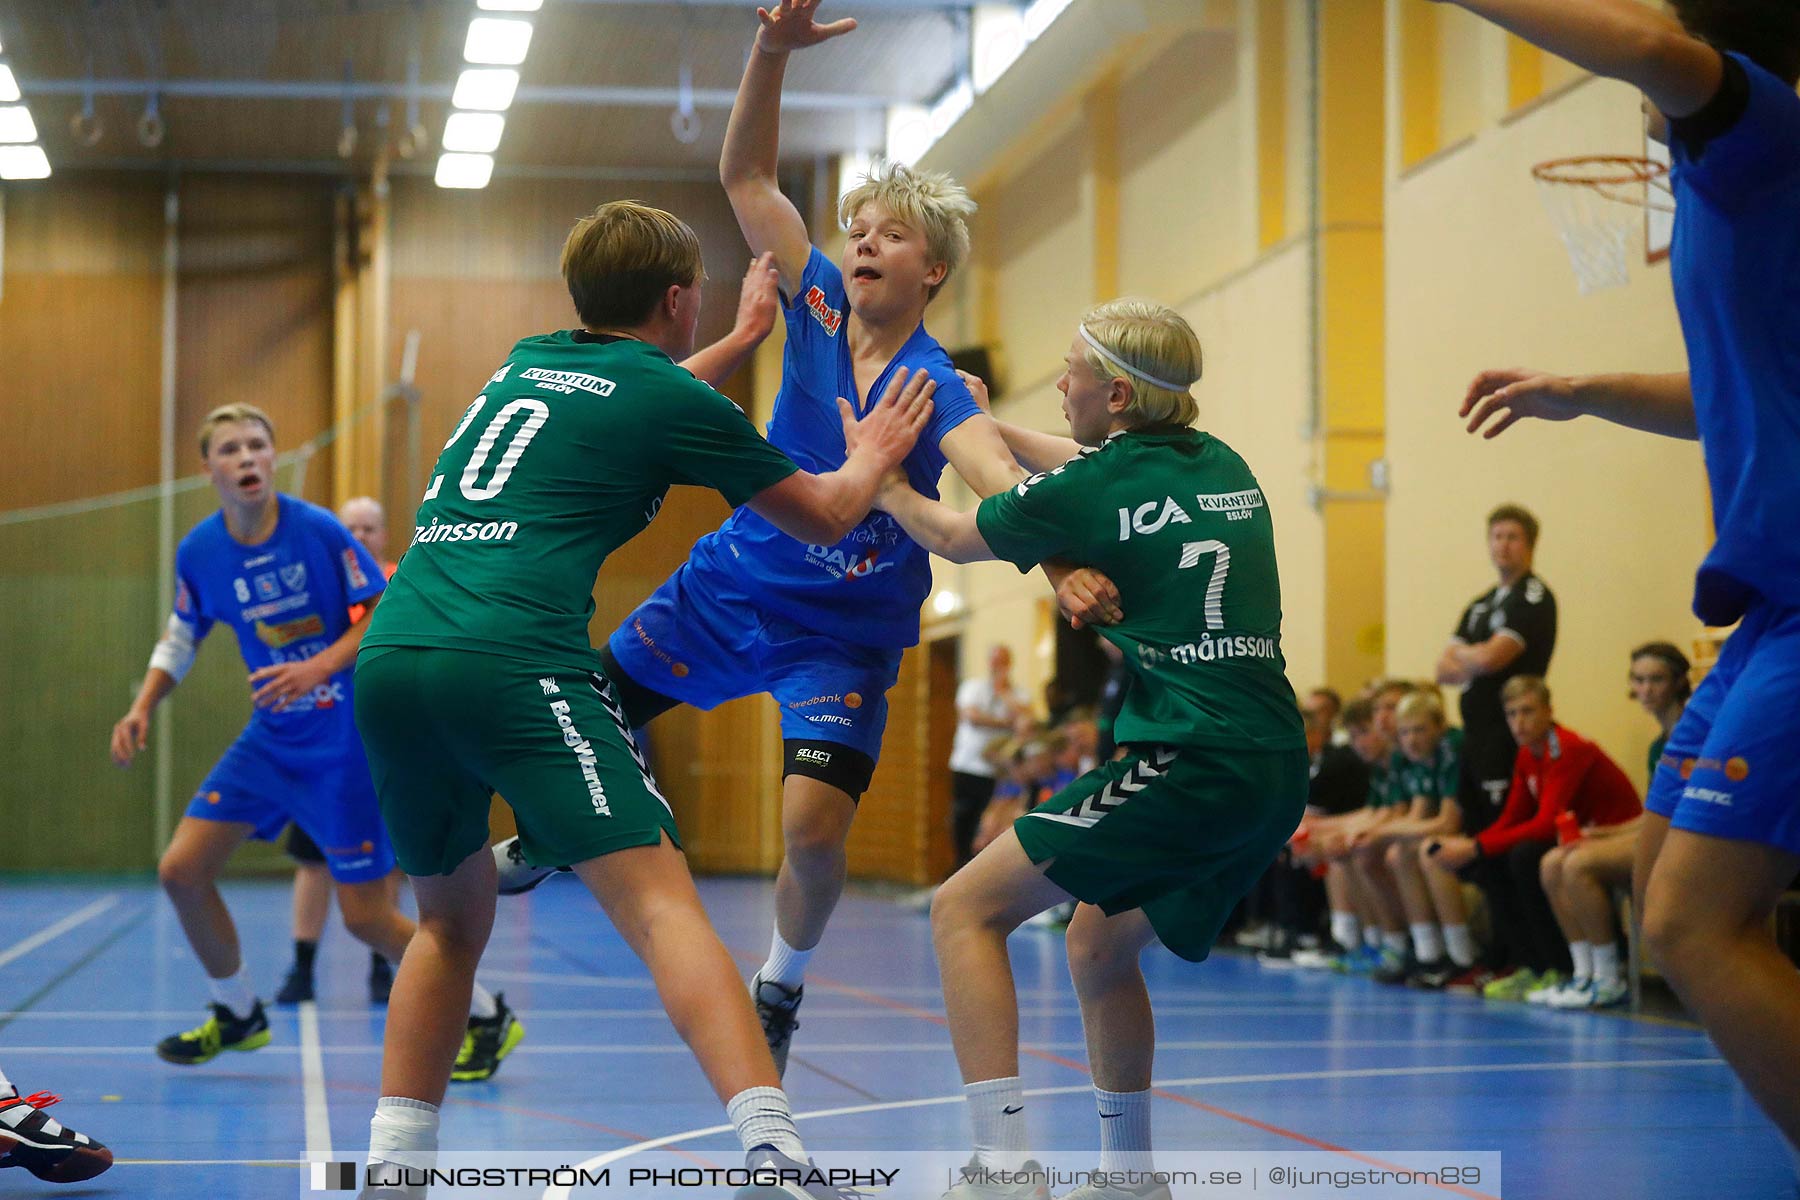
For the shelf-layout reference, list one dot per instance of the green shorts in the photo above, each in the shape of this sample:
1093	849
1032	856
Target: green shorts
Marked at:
446	729
1180	832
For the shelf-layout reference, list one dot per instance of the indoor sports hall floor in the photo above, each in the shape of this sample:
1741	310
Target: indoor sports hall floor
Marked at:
1588	1106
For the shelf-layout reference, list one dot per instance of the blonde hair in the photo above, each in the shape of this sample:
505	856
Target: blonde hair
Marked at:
232	414
1525	685
1142	338
929	201
621	260
1421	704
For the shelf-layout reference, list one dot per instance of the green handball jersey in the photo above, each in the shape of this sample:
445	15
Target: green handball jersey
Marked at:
564	457
1176	519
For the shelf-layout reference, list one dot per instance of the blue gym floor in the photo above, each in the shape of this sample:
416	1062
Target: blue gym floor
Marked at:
1580	1105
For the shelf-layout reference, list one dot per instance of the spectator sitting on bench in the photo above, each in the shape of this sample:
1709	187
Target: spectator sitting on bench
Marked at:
1557	771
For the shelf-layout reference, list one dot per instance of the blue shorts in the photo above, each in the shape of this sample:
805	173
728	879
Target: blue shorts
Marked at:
322	786
701	640
1731	768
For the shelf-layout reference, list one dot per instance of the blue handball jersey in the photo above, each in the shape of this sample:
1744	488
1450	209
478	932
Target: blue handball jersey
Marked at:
1736	268
867	589
287	599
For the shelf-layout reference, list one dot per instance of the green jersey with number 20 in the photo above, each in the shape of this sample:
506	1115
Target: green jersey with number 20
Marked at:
563	458
1175	518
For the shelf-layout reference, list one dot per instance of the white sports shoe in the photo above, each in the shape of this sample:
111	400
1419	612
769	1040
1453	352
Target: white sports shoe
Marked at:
1577	993
1152	1190
1026	1183
516	875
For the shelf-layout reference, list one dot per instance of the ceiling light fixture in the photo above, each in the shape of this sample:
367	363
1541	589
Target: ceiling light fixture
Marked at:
474	132
23	162
497	41
16	124
9	87
489	89
509	5
464	170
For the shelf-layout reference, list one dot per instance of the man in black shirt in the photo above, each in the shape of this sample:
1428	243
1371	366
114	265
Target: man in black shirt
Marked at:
1507	631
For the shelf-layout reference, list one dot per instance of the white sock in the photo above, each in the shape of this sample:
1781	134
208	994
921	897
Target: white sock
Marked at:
1372	936
1606	963
1346	930
1394	942
1459	945
786	965
1428	943
1582	954
403	1132
1124	1130
6	1087
997	1114
763	1118
482	1004
234	992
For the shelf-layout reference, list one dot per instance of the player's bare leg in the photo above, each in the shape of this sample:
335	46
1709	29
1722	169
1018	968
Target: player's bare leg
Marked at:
650	898
1706	922
1651	833
815	824
428	1011
1115	1001
189	874
312	901
372	917
971	916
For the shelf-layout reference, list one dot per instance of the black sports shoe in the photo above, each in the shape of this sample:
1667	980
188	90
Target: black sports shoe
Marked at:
1394	968
298	986
776	1005
51	1151
223	1030
381	979
487	1043
516	875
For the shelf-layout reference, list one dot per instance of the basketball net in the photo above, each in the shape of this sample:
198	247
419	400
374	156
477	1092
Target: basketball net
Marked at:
1597	202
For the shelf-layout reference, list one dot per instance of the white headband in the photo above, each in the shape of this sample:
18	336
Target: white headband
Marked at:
1113	356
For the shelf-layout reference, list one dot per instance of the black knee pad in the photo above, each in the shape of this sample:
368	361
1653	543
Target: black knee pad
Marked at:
843	767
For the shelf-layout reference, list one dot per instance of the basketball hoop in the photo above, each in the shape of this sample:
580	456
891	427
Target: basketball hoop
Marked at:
1596	200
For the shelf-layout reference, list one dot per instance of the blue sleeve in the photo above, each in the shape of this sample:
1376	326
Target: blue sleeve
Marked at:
188	596
362	575
951	404
1760	148
816	311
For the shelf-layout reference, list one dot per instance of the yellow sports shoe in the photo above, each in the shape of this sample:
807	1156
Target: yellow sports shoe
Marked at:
487	1043
223	1030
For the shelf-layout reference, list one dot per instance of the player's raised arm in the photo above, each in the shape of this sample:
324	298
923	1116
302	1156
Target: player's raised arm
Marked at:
1660	404
747	167
757	309
936	526
1621	39
1033	449
823	508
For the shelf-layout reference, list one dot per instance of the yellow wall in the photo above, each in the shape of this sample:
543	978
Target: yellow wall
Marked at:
1477	278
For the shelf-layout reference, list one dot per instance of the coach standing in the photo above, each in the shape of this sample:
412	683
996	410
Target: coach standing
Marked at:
1507	631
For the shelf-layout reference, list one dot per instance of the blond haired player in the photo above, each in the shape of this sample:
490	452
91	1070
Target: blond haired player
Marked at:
820	625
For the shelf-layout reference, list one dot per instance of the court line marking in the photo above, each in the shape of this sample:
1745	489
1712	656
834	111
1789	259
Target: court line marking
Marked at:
613	1156
312	1085
50	933
679	1048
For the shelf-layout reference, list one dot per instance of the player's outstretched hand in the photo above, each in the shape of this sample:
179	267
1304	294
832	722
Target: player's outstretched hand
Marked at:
1504	396
130	735
280	684
978	389
792	25
1087	597
758	301
893	425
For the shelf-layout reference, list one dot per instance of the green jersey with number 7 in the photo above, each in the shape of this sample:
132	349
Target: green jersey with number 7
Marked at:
1176	519
564	457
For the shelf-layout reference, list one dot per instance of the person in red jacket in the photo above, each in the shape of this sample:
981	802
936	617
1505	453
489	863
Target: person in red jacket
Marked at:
1557	771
